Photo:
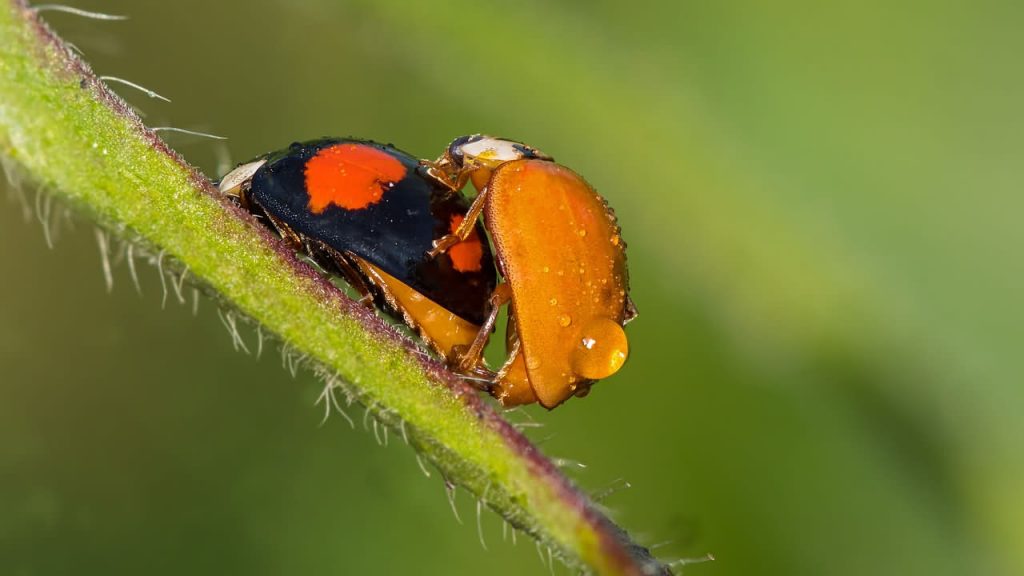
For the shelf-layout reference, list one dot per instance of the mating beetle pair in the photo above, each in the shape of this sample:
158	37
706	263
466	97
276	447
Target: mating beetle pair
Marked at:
401	233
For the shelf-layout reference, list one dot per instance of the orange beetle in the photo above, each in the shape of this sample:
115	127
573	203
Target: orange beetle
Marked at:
563	259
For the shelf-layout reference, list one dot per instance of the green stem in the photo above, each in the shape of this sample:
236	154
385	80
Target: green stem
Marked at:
61	124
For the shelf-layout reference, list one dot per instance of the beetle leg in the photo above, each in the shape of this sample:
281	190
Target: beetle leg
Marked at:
327	257
472	357
290	237
512	386
481	378
440	170
339	264
631	311
441	245
355	280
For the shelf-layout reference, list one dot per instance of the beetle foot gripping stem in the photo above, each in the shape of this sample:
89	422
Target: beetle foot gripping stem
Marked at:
484	380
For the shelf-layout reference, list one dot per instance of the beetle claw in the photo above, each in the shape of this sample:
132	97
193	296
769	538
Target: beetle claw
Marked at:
442	244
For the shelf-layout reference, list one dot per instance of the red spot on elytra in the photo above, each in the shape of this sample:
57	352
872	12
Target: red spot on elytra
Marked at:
467	254
350	176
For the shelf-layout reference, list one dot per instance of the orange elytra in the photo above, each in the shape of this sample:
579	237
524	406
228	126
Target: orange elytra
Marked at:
559	248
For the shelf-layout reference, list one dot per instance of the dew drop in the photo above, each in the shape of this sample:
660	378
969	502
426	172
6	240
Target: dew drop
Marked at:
564	320
553	301
602	349
582	233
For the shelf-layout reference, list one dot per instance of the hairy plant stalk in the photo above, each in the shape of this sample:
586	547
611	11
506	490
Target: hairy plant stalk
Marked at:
61	124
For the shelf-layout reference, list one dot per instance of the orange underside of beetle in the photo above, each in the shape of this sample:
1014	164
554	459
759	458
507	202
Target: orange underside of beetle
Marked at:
442	329
559	249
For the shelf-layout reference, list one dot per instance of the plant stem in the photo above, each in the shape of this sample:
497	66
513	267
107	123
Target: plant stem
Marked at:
78	140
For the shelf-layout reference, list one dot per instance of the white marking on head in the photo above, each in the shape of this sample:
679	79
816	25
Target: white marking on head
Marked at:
233	180
488	149
479	151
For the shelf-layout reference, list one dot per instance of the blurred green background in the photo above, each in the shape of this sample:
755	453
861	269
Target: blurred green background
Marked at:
822	204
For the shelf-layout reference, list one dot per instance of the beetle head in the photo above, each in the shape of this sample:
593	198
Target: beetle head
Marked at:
480	151
475	156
